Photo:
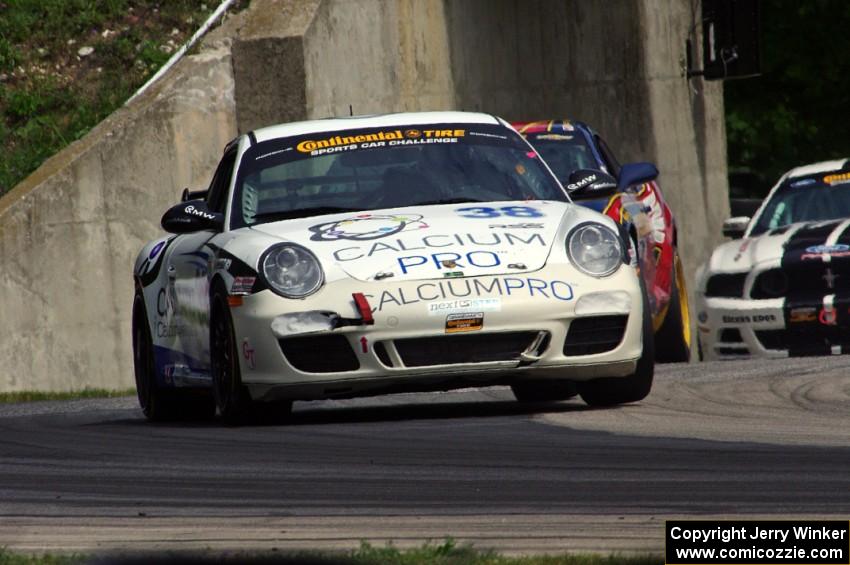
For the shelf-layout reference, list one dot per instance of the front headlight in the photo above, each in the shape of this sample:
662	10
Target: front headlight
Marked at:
291	270
594	249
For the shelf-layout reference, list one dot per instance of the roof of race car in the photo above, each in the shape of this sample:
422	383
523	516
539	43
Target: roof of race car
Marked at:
379	120
544	126
818	168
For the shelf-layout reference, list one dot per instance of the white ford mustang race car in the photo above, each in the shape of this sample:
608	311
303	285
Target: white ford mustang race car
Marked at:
421	251
782	289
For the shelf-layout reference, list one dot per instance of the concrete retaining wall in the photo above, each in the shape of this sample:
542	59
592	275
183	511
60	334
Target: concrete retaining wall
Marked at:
69	233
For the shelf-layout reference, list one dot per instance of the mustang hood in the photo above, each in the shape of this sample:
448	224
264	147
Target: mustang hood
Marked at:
434	241
804	241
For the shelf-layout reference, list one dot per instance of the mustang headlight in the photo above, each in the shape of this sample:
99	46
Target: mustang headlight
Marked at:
595	249
291	270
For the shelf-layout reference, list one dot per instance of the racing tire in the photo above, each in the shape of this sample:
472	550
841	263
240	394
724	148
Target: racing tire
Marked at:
544	390
232	398
610	391
673	339
157	404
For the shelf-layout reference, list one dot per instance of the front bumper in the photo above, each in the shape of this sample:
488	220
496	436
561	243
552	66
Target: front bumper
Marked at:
517	329
731	328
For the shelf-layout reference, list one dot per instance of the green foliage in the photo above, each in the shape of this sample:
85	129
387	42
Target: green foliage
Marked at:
34	396
797	111
446	553
9	558
49	96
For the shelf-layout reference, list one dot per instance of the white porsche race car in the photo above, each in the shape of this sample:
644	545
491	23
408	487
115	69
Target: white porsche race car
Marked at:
779	289
419	251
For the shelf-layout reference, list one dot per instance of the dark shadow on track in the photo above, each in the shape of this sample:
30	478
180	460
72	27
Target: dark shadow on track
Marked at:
314	413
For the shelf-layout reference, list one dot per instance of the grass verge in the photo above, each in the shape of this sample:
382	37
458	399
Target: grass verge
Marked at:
67	64
35	396
445	553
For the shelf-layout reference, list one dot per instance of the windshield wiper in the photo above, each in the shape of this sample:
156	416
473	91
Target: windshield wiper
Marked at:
301	213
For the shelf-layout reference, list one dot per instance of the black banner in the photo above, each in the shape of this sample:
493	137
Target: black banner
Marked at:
760	542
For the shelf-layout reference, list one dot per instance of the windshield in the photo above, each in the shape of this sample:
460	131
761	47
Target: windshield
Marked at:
564	153
370	169
809	199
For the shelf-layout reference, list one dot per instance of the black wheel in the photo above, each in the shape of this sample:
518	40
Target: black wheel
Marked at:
673	339
544	390
609	391
157	404
231	396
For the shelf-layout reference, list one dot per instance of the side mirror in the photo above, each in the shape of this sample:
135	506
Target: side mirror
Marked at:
193	195
590	183
635	174
735	227
191	216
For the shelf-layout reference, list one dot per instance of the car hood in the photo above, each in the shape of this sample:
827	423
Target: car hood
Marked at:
439	241
788	245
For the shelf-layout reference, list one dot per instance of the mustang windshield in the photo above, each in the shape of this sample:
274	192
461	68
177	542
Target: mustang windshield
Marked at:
391	167
565	153
810	199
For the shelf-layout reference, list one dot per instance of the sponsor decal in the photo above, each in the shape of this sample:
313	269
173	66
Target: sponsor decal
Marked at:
747	319
488	212
827	317
465	306
453	274
741	250
803	182
590	179
456	323
242	285
828	248
437	241
192	211
448	290
818	251
364	345
337	143
223	264
554	137
156	249
802	315
365	227
841	178
451	260
248	354
526	226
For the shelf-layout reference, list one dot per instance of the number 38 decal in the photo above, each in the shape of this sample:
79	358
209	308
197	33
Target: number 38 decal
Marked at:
487	212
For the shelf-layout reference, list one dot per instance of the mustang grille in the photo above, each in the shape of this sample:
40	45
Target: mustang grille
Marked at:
594	334
450	350
726	286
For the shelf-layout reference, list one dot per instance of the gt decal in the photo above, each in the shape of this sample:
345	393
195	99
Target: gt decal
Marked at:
511	211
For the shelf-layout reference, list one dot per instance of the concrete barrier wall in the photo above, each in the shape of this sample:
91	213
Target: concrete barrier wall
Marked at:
69	233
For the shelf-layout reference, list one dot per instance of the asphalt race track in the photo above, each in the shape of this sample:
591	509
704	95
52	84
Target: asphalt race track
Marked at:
713	439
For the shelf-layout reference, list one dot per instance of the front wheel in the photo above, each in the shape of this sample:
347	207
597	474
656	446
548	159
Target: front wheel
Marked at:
157	404
231	396
673	339
610	391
